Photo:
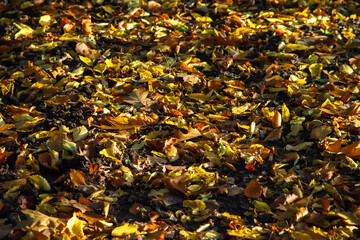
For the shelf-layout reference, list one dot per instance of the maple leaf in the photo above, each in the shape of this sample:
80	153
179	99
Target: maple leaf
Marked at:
139	99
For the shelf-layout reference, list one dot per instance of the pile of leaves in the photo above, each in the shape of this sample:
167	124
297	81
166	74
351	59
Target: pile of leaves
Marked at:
170	119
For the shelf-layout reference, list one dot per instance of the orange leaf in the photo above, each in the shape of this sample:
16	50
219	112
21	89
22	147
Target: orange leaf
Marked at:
250	167
5	127
350	150
93	168
3	157
13	110
85	201
253	189
335	147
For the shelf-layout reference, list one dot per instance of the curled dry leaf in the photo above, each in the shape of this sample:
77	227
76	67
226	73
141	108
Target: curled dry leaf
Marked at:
192	133
82	48
276	120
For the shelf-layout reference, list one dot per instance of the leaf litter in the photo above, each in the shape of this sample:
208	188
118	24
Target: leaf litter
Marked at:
179	119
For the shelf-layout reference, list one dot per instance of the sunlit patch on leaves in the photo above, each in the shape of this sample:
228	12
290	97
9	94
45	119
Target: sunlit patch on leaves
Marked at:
179	108
125	230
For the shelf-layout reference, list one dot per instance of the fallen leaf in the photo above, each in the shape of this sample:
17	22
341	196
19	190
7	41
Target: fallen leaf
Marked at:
138	99
125	230
76	226
253	189
192	133
77	177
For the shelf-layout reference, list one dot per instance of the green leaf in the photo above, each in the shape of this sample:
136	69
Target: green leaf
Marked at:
299	147
40	182
70	146
262	207
108	9
138	146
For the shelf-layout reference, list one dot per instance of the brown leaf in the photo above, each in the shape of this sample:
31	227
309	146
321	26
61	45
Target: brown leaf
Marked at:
77	177
178	184
320	132
138	99
276	120
253	189
274	135
152	5
82	48
192	133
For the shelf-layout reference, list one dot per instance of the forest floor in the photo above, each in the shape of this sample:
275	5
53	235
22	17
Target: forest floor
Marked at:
135	119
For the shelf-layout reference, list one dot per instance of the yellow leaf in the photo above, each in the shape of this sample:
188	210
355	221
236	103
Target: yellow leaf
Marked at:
315	69
24	31
232	217
80	133
76	226
45	20
108	9
172	153
172	98
195	205
111	152
86	60
125	230
246	233
240	109
285	113
198	96
204	19
101	67
344	68
297	47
